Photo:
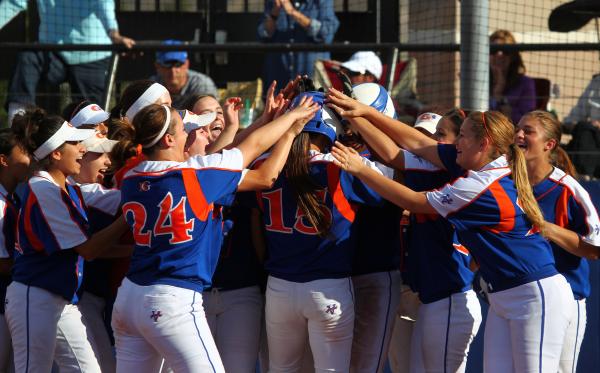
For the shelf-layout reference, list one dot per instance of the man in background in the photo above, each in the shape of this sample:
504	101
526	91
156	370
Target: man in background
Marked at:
173	71
61	22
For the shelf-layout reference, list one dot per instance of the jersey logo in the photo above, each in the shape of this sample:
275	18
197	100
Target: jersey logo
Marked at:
446	199
331	309
144	186
155	315
596	229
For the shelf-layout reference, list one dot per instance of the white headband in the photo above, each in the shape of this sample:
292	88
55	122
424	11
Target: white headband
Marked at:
65	133
149	96
163	130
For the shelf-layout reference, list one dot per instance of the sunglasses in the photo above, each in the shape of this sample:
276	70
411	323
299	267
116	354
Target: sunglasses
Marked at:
171	64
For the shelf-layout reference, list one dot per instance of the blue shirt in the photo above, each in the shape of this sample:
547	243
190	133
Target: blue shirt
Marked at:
295	251
69	22
176	227
238	264
436	269
51	223
323	26
377	237
490	223
564	202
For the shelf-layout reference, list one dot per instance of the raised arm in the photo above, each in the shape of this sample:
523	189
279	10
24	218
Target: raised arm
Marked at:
571	241
264	137
402	134
349	160
231	110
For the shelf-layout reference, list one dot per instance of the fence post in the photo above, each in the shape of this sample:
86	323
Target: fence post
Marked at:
474	54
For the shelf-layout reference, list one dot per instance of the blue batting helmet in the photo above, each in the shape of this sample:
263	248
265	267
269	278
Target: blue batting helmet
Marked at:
325	122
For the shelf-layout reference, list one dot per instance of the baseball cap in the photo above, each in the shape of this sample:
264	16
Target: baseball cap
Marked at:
193	121
364	61
91	114
65	133
166	56
428	121
99	143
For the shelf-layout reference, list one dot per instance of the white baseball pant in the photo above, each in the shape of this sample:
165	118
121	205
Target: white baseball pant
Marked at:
152	322
443	333
323	309
6	356
92	310
234	318
573	337
399	351
526	326
45	327
377	296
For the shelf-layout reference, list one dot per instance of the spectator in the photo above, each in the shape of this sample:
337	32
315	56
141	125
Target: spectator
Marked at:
173	71
363	67
511	91
63	22
583	122
308	21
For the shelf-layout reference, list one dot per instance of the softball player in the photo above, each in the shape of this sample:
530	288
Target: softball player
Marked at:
514	260
565	203
307	215
96	294
375	273
53	238
449	316
14	168
168	202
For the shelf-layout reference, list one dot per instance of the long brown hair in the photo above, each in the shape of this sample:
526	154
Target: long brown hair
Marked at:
297	172
516	68
501	132
553	131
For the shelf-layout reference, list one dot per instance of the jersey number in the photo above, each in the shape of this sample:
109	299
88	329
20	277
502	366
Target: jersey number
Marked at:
275	213
171	221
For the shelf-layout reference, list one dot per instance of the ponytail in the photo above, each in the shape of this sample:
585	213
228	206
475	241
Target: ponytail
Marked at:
124	133
297	172
518	166
563	161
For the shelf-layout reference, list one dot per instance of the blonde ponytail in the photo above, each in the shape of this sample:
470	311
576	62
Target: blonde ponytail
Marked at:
518	166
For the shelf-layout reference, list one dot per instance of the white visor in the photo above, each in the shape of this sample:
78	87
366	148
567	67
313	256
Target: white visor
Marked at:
91	114
149	96
99	143
193	121
65	133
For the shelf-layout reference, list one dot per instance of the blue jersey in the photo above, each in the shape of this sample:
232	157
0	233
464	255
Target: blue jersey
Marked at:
377	235
8	224
564	202
295	251
238	264
484	209
101	213
436	269
176	226
51	223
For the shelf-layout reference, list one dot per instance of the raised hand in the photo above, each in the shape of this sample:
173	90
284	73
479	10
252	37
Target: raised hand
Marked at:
347	158
303	113
345	106
231	109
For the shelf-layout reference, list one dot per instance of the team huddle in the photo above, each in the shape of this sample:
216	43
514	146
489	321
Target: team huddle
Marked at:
313	226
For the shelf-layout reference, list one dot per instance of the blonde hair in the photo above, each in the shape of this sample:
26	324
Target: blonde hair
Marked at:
553	131
501	132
